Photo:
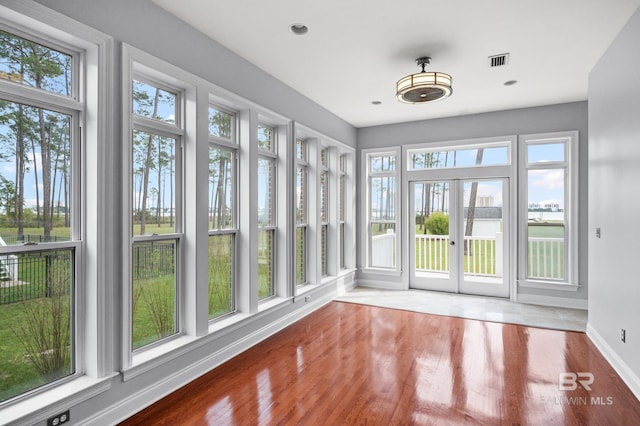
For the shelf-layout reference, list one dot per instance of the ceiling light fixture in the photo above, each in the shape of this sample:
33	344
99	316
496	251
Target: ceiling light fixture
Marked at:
298	29
424	86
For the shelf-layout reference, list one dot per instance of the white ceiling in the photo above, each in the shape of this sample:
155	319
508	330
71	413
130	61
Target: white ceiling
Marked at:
356	50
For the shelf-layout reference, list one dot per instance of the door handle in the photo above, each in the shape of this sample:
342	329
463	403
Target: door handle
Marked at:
452	243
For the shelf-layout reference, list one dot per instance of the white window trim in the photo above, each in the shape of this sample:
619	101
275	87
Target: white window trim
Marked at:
365	203
317	141
136	63
571	164
342	201
94	338
302	163
271	155
506	142
325	207
233	146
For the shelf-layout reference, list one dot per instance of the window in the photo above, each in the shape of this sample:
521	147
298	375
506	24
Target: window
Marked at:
341	209
382	201
156	227
324	212
493	154
266	211
222	212
40	213
302	170
549	187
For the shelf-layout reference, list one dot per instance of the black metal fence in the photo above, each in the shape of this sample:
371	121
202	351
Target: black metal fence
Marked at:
14	240
26	276
153	259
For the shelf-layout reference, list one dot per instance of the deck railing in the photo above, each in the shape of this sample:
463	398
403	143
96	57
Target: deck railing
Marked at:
483	256
546	258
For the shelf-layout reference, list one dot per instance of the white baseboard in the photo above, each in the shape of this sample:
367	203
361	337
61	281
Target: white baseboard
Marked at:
559	302
161	388
379	284
621	367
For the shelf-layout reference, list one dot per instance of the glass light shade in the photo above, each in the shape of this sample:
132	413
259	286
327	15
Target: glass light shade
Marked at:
424	87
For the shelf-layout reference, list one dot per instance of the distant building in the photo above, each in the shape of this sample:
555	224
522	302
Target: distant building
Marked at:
484	201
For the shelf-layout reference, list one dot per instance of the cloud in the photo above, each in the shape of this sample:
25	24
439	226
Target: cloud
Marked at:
548	179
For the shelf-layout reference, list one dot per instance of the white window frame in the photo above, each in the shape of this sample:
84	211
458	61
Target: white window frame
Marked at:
191	301
176	132
232	146
570	166
342	182
75	107
271	155
367	175
325	193
91	194
303	224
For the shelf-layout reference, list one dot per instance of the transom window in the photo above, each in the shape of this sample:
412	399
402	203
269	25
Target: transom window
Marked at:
461	156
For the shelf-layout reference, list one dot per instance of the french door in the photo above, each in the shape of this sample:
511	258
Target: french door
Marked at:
459	236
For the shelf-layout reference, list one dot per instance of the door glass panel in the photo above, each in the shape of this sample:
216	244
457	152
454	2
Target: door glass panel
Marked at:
483	230
432	229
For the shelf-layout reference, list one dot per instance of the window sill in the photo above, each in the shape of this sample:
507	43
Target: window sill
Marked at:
381	271
549	285
45	404
272	302
300	291
218	325
153	357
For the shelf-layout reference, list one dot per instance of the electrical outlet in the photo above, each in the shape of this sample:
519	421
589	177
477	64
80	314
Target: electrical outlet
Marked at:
623	335
307	298
598	233
58	419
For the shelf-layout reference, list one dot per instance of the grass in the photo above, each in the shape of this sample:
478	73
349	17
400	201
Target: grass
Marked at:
17	374
154	310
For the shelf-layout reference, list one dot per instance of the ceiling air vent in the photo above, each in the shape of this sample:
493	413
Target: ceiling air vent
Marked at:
498	60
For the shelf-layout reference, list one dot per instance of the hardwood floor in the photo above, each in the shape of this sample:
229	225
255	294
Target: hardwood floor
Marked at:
357	364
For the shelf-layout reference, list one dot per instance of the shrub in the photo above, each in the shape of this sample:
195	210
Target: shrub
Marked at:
438	223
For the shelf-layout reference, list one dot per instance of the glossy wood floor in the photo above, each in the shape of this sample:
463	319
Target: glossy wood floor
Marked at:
356	364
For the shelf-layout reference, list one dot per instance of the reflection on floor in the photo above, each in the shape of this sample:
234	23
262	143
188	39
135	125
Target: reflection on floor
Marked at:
471	307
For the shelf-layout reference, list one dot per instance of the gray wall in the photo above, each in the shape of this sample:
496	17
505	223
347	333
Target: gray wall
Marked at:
552	118
614	176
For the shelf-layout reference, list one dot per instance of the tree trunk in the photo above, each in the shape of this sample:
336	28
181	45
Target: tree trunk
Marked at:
147	166
45	153
20	170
